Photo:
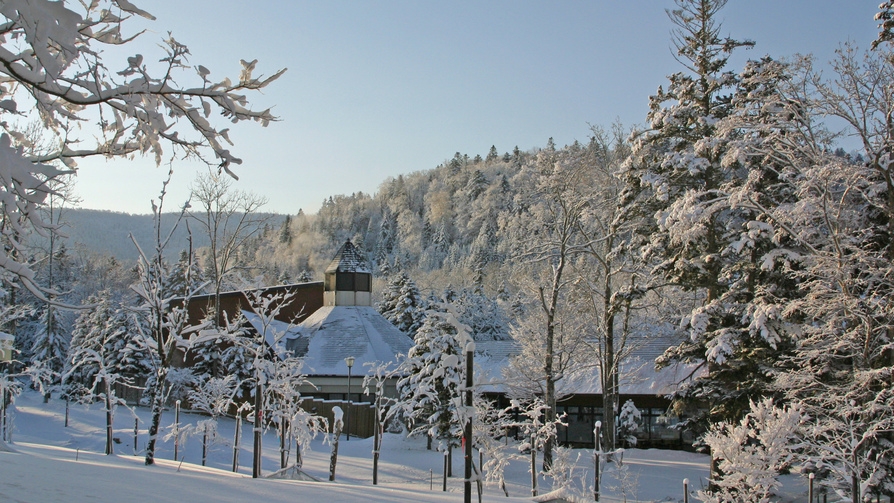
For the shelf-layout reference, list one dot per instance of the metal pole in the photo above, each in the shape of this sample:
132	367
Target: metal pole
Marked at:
685	490
597	451
259	417
348	413
136	431
467	434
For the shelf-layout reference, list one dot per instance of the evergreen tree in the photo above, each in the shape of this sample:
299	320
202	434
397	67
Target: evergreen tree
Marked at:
285	231
492	154
402	304
87	335
185	276
50	340
433	374
680	178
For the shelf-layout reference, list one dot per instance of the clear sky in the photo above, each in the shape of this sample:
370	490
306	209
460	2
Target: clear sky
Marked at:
376	88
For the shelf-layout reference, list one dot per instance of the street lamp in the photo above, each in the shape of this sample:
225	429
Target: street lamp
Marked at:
350	363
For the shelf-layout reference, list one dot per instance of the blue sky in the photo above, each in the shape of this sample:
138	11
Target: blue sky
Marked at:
379	88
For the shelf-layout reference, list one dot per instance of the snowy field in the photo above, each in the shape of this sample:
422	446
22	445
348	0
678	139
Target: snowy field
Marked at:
48	462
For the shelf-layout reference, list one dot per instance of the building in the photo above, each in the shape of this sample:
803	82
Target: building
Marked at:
332	323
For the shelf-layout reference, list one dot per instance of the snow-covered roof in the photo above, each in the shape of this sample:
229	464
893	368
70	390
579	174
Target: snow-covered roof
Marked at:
276	332
348	259
333	333
639	376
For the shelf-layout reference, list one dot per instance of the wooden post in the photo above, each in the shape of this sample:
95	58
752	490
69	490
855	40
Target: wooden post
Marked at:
810	487
136	431
338	424
283	454
176	428
108	400
205	445
236	439
445	472
685	490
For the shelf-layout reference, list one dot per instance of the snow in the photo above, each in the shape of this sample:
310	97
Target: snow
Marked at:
52	463
334	332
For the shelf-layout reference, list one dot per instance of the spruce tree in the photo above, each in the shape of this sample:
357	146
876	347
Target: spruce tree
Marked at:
682	180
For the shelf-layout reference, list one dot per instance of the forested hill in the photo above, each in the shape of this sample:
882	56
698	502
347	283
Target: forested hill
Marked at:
461	224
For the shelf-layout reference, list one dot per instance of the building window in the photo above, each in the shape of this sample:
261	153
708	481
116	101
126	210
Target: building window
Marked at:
362	282
344	281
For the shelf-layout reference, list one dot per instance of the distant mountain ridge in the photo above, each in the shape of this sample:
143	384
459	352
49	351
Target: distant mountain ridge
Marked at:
108	232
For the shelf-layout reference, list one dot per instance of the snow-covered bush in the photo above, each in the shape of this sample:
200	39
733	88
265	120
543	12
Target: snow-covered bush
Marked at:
752	453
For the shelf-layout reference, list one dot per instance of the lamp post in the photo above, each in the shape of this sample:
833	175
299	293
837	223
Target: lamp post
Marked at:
350	363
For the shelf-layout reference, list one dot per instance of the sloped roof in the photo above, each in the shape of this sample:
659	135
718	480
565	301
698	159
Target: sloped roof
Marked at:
348	259
333	333
639	376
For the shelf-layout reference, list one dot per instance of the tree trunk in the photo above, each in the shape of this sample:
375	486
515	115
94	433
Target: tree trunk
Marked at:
377	444
283	454
533	467
157	397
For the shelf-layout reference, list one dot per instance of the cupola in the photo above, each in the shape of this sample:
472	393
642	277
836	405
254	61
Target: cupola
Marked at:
348	281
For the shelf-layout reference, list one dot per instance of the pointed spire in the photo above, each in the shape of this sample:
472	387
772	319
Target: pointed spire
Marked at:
348	259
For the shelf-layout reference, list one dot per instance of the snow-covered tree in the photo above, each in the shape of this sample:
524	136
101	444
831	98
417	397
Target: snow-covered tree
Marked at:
164	325
546	238
50	341
402	304
185	277
89	331
60	77
628	423
753	453
96	356
433	373
689	180
482	314
378	375
534	429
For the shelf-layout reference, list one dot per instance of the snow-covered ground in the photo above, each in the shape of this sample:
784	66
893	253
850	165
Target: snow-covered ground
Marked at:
51	463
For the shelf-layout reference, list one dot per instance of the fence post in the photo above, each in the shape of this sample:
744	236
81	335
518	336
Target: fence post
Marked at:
176	428
810	487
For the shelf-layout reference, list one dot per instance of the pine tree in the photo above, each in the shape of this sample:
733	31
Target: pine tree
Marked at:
402	304
682	179
87	335
433	374
285	231
50	342
185	276
492	154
